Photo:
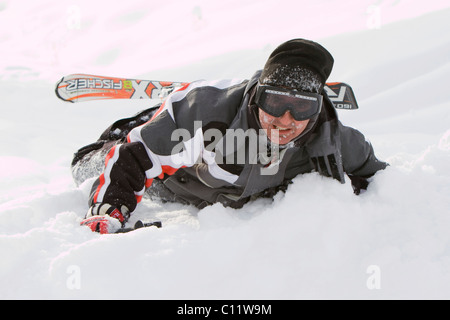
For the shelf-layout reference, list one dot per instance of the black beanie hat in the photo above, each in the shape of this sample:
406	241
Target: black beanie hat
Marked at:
298	64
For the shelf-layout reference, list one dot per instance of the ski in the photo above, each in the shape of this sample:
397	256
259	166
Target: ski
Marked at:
85	87
341	94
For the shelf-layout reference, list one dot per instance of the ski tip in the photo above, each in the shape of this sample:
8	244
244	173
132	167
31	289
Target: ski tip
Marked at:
57	90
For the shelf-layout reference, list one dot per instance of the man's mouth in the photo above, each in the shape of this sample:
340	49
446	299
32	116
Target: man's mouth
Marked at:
281	128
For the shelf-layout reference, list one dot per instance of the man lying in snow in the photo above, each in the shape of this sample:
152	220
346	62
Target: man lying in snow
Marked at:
226	141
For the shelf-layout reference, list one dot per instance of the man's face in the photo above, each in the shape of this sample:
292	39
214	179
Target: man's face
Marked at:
281	130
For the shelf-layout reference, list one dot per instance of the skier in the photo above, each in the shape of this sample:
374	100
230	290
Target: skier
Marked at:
228	141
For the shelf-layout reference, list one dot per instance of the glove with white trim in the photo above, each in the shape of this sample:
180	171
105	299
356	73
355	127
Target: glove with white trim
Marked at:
105	218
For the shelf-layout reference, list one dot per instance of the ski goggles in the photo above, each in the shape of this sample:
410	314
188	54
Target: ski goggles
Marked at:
276	101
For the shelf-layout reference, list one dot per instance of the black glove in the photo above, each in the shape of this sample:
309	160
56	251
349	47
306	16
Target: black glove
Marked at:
358	184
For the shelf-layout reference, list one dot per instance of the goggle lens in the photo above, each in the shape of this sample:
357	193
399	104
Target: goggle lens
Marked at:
276	101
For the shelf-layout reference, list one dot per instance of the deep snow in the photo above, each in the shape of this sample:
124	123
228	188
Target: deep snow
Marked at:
316	241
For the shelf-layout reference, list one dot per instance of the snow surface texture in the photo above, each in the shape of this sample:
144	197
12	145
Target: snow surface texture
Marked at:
316	241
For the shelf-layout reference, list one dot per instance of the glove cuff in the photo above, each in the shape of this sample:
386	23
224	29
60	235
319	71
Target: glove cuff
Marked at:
103	209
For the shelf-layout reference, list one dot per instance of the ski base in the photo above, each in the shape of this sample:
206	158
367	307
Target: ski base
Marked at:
85	87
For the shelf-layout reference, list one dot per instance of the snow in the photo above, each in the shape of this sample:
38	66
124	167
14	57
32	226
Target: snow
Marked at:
317	241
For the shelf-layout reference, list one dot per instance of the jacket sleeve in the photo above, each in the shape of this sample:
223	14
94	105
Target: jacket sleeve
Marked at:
171	140
123	180
150	152
358	156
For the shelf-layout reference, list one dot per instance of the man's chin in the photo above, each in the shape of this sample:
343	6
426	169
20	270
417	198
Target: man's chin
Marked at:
280	141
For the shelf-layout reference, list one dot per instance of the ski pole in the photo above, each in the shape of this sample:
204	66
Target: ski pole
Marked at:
139	224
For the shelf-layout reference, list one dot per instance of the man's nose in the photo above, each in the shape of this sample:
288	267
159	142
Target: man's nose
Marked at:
286	118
